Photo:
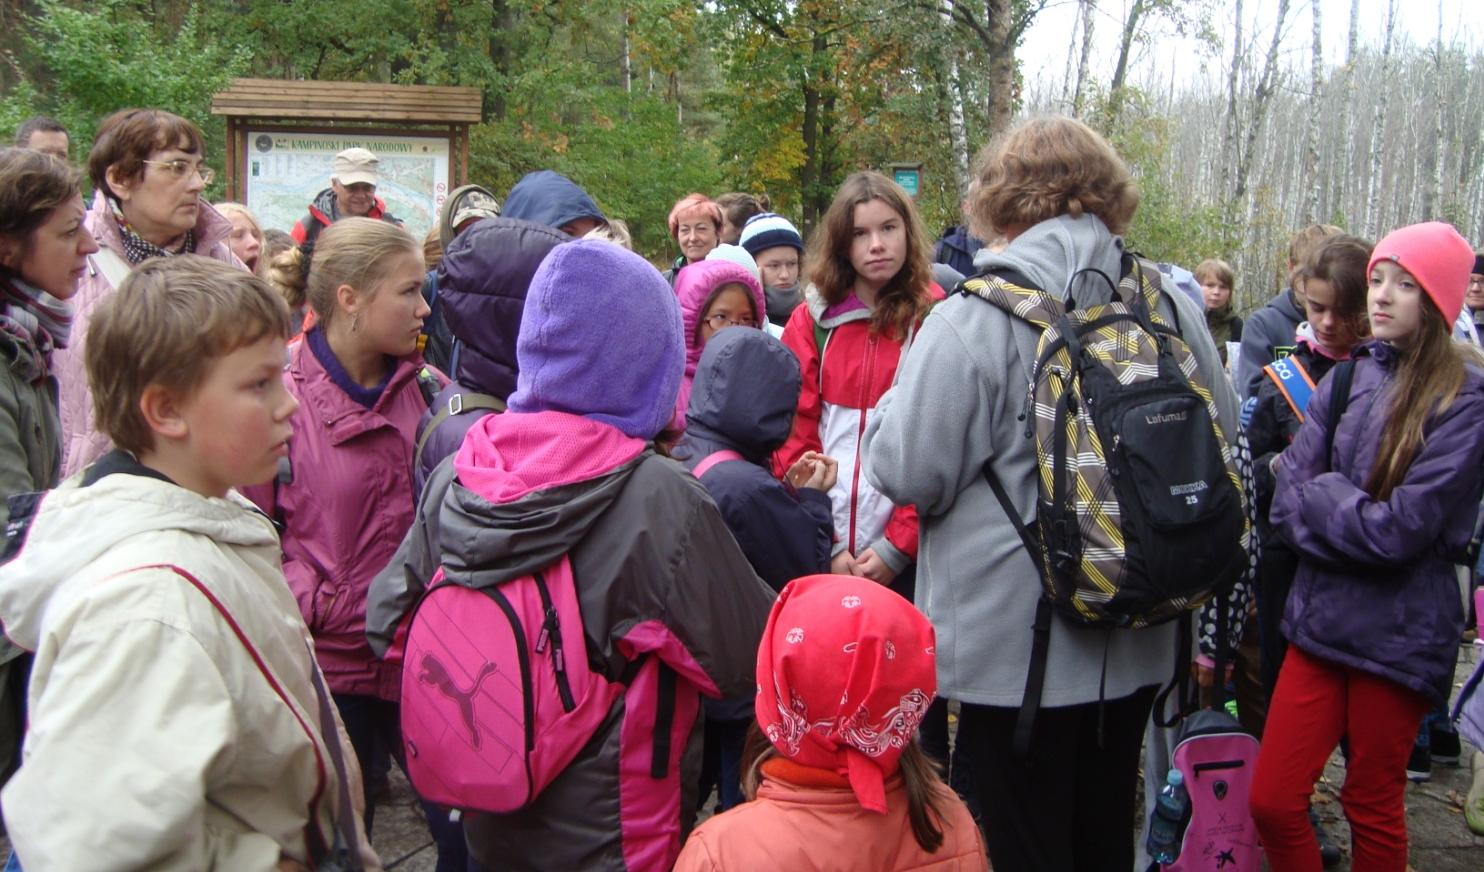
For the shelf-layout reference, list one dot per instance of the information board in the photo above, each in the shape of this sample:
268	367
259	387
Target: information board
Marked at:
285	170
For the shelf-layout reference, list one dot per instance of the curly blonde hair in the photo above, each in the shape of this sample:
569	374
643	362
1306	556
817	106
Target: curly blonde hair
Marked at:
1047	167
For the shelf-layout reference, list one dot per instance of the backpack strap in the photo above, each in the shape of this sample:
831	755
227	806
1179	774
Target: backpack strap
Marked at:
1339	400
714	458
457	404
1035	675
1294	383
344	852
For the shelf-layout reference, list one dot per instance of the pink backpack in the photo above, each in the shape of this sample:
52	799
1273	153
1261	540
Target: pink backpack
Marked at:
497	694
1218	759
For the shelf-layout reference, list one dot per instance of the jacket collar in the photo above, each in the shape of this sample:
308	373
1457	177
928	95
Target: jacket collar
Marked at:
342	416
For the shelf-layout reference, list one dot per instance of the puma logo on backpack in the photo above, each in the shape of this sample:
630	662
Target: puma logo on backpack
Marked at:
1140	514
497	693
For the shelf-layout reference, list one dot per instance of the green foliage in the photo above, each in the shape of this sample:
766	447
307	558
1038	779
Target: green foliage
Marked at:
109	55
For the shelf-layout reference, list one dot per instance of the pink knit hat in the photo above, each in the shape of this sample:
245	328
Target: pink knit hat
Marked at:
1436	256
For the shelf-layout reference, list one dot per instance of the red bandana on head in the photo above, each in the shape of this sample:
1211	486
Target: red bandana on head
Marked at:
845	673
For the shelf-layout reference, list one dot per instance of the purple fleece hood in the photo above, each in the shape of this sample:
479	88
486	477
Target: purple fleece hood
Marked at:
600	337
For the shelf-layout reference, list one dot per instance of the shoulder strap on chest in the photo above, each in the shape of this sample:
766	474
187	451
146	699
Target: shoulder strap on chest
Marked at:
457	404
1294	383
1339	400
711	460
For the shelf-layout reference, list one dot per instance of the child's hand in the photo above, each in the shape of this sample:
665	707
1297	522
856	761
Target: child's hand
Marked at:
799	474
874	568
826	471
844	564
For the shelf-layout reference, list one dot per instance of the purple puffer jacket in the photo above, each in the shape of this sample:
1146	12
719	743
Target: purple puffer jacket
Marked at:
482	284
1375	589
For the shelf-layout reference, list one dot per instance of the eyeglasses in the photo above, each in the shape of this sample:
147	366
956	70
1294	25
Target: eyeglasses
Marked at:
721	319
181	168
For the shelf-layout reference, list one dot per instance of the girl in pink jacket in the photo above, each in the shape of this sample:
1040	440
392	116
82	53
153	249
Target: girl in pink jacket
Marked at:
845	672
343	500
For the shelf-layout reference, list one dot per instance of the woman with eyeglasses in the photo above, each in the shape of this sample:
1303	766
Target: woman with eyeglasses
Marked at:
148	174
714	295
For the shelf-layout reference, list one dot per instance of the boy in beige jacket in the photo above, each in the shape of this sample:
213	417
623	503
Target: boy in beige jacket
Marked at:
177	718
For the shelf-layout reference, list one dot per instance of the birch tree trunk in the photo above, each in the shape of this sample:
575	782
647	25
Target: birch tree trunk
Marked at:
1229	123
1089	9
952	90
1373	181
1312	176
1265	86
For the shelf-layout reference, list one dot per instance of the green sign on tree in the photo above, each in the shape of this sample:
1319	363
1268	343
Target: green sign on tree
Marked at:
908	175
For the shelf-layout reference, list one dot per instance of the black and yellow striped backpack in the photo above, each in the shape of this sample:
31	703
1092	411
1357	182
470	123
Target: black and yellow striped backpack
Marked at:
1140	514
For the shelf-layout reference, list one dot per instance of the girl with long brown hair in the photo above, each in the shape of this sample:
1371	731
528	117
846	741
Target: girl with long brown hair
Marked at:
871	285
1378	505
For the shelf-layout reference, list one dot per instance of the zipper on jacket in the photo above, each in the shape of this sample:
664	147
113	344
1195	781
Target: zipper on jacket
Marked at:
528	707
551	630
860	436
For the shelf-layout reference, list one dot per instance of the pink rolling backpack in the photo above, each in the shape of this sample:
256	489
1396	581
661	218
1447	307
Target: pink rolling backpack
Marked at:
497	694
1218	759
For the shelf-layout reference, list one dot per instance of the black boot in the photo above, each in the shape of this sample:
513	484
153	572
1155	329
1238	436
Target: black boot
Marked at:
1329	852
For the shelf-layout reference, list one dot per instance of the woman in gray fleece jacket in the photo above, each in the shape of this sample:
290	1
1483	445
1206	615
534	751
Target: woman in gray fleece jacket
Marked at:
1061	195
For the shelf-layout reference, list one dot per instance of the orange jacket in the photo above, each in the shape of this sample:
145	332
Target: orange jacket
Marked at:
805	818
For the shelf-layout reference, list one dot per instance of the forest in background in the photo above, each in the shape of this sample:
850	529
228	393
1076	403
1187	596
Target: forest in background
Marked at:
642	101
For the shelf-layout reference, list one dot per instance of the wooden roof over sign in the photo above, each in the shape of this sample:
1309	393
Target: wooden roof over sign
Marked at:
348	101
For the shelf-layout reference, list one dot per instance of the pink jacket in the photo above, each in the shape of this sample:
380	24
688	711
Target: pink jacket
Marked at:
805	818
81	442
346	508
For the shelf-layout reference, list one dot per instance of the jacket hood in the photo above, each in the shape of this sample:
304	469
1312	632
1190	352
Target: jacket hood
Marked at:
1051	252
600	336
1286	303
74	526
695	284
745	392
550	198
482	285
530	486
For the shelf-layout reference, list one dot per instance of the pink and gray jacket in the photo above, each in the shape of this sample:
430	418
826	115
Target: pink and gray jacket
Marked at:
670	607
347	505
1375	588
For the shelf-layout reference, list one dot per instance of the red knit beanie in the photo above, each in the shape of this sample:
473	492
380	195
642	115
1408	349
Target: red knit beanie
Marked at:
1436	256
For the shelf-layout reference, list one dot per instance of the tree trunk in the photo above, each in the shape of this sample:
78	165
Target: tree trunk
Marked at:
957	138
1373	181
502	23
1436	209
627	64
809	173
1125	48
1266	84
1311	131
1001	90
1231	122
1089	10
1347	111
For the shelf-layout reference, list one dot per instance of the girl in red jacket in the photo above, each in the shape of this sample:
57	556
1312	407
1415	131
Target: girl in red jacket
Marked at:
871	286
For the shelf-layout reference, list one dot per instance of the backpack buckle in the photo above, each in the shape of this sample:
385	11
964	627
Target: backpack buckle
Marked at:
455	404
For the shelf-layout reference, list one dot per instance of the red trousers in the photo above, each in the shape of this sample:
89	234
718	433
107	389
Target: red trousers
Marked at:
1314	704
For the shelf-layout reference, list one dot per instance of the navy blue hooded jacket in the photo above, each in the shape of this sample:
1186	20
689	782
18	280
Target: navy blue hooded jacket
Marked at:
482	284
743	399
550	198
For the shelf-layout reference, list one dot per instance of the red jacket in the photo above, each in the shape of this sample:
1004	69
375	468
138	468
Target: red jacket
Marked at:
840	390
344	512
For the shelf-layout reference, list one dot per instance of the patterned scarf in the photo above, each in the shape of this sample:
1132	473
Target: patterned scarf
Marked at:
137	249
845	673
36	322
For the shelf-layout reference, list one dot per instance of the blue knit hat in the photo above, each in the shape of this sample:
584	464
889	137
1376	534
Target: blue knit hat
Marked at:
769	230
600	337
